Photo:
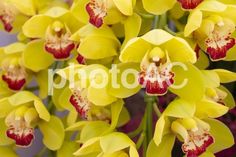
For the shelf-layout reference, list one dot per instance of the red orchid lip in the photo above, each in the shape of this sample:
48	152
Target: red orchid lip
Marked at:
157	87
59	52
81	107
7	26
189	4
23	137
218	52
14	84
197	145
96	17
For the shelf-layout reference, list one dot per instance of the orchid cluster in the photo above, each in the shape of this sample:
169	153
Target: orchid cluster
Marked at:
76	63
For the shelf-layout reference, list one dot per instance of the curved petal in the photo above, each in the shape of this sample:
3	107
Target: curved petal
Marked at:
42	80
134	50
194	22
130	30
125	6
4	139
180	108
162	150
25	6
56	12
211	78
53	133
109	146
225	75
35	57
100	96
158	7
78	8
210	109
116	109
36	26
229	100
188	78
117	85
159	130
14	48
8	152
179	50
222	136
94	129
94	47
42	110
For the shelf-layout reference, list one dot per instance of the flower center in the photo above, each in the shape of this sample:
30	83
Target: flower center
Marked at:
97	10
19	130
189	4
14	76
81	103
195	135
7	16
156	76
58	42
197	142
220	41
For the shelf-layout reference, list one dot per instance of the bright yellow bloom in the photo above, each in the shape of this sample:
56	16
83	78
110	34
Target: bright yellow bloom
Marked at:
22	112
212	25
156	51
193	125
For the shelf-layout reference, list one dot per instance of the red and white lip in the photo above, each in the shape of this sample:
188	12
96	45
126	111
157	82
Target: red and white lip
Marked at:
22	136
58	43
97	10
156	79
19	130
197	143
220	40
189	4
14	76
80	103
7	16
218	46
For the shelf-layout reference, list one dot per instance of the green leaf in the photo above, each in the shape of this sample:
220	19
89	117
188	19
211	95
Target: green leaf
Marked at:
53	133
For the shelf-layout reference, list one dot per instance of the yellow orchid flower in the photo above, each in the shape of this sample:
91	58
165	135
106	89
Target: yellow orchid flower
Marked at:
56	27
22	112
156	53
199	135
13	71
15	13
98	12
215	93
159	7
84	95
213	30
15	75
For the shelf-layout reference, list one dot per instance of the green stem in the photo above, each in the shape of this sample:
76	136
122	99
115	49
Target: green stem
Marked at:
149	109
32	88
138	130
155	22
162	21
140	140
156	110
